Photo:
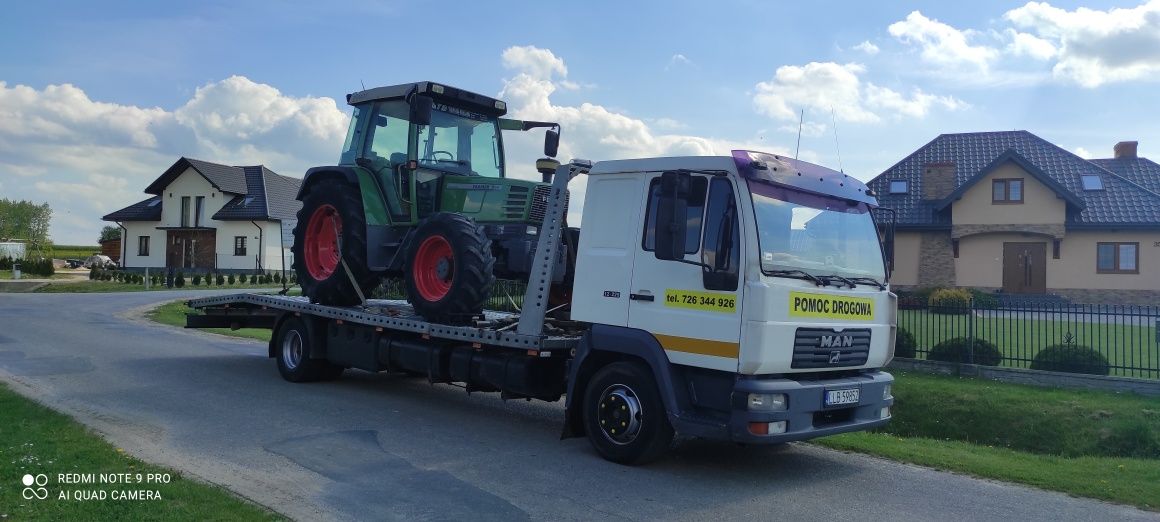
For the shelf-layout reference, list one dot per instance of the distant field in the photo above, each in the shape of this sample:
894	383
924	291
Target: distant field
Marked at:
73	251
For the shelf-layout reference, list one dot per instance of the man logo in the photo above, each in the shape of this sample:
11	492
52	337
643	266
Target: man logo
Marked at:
836	341
39	492
835	357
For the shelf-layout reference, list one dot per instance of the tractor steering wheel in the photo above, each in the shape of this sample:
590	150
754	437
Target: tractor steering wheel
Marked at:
450	156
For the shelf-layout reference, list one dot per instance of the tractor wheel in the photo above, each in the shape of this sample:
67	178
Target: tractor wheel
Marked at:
332	209
449	269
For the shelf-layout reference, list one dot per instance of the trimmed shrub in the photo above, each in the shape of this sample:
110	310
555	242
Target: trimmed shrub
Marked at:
981	299
277	278
950	301
221	280
904	344
153	280
179	281
231	279
197	280
958	350
268	279
242	278
1070	358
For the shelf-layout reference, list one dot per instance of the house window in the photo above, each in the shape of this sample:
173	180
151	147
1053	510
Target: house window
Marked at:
199	211
1092	182
1007	191
1117	258
899	186
143	246
239	245
185	211
694	209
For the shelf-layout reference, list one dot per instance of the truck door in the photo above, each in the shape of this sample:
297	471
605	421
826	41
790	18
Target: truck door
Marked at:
693	312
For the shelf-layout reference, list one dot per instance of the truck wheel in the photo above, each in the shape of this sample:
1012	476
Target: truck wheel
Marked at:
293	354
332	209
624	416
449	269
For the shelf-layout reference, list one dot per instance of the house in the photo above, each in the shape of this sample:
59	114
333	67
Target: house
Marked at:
207	216
1014	213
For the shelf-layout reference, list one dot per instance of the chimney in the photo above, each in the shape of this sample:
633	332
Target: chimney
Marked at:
1125	149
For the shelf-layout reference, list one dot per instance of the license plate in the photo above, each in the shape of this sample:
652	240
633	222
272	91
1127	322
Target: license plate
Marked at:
840	397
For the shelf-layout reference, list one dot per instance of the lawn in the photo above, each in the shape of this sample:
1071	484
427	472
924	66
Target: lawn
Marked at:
1128	342
35	440
173	314
88	286
7	274
1094	444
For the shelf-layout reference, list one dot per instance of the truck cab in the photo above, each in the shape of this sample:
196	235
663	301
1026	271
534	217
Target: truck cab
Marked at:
754	286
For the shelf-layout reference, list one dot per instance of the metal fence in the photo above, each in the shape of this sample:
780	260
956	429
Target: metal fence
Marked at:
1125	335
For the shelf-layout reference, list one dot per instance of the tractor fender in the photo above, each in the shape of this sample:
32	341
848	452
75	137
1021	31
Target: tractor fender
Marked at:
316	173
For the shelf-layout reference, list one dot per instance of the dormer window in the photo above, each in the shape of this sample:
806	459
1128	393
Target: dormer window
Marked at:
1092	182
899	186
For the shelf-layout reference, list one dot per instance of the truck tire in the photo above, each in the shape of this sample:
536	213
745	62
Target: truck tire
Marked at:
624	417
449	269
331	209
292	351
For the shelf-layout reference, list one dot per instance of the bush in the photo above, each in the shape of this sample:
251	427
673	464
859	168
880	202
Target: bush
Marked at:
1070	358
981	299
231	279
242	279
278	278
5	263
958	350
904	344
197	280
153	280
268	279
950	301
179	281
221	280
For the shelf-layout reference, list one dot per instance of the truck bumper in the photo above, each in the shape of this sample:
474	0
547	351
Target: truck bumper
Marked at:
806	416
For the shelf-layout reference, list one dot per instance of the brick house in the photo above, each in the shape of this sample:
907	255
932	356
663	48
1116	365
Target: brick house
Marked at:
1011	212
205	216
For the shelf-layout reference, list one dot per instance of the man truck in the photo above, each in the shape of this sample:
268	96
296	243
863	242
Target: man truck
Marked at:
738	298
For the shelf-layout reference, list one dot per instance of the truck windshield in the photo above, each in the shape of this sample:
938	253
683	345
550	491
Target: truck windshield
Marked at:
461	142
821	236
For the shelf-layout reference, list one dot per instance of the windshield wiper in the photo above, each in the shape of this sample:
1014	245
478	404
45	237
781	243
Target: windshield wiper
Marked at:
868	281
848	282
799	274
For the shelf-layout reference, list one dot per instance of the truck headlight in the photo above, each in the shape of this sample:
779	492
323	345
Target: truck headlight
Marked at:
767	402
887	392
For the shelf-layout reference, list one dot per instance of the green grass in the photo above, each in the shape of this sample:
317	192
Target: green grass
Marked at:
1094	444
74	251
7	275
88	286
36	440
1022	338
173	314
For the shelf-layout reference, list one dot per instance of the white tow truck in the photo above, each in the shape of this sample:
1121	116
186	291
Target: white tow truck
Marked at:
737	298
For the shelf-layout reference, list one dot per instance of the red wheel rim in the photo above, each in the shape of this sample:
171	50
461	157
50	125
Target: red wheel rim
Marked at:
433	267
321	243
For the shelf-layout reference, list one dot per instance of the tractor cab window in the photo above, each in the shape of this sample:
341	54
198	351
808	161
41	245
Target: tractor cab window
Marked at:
386	147
460	142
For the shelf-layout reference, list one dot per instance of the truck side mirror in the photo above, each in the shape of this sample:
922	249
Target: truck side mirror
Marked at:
421	110
672	223
552	142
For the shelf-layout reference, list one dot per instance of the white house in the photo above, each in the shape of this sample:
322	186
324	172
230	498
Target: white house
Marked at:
209	217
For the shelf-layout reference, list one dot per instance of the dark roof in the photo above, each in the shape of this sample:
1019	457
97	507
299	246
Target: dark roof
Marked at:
1123	201
223	177
1010	156
268	196
148	210
258	193
1141	171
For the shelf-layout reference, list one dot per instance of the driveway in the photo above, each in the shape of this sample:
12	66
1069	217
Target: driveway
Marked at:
388	447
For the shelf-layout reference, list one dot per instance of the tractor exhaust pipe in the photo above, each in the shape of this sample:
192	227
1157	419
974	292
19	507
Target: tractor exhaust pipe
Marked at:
547	167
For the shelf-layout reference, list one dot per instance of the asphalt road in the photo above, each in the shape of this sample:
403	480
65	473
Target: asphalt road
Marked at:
387	447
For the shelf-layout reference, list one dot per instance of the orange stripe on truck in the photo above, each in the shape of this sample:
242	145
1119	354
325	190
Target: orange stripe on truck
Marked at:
699	346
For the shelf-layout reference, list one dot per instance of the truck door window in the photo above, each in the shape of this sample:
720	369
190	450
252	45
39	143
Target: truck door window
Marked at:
695	209
721	220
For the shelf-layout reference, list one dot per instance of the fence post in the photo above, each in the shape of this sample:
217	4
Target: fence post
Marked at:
971	331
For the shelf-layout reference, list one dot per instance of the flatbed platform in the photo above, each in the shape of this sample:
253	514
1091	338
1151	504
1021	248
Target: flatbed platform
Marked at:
495	328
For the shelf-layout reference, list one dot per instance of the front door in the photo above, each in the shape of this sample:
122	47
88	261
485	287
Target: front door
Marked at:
1025	268
696	326
191	249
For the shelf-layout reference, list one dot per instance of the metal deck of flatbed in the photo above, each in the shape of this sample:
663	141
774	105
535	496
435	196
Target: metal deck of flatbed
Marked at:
398	315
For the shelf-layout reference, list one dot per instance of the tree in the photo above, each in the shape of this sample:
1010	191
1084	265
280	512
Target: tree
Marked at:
28	221
110	232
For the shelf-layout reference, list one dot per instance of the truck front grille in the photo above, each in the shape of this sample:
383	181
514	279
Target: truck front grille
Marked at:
829	348
540	203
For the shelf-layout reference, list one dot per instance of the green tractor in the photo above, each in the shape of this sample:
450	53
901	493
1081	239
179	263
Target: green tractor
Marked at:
420	192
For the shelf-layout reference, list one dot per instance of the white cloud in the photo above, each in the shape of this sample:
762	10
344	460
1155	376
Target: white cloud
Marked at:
1083	153
537	63
678	60
87	158
1097	47
809	129
824	87
1024	44
942	45
867	47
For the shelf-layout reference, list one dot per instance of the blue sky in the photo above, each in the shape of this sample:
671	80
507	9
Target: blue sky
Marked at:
255	82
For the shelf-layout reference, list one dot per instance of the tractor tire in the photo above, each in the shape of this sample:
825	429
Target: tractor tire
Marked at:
332	209
449	269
